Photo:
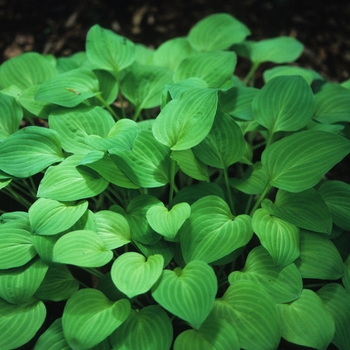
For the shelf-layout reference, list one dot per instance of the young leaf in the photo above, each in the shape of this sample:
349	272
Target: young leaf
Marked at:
212	232
298	162
48	216
89	317
285	103
217	32
108	50
19	323
306	321
185	121
10	116
30	150
280	238
305	209
81	248
216	149
69	89
148	328
68	182
133	275
188	293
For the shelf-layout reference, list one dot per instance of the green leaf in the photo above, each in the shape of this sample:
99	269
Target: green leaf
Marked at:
307	74
188	293
68	182
48	216
298	162
214	67
217	32
25	70
212	232
143	85
147	164
30	150
336	194
346	277
67	63
147	329
16	246
108	85
185	121
319	257
285	103
81	248
216	149
337	302
69	89
284	284
306	321
10	116
133	275
250	309
113	228
89	317
280	238
19	323
44	246
283	49
168	222
58	284
108	50
305	209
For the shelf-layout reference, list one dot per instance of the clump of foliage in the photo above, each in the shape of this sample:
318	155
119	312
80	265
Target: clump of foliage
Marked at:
169	203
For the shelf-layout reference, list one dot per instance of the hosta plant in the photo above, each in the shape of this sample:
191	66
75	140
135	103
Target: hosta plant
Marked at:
166	203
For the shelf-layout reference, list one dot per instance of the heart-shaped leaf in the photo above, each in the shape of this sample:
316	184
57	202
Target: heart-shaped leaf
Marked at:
10	116
133	275
89	317
148	328
188	293
168	222
212	232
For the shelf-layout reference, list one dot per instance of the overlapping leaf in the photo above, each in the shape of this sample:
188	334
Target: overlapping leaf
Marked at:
10	116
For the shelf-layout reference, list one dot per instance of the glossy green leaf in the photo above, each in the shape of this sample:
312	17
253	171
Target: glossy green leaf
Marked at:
172	52
319	257
143	85
305	209
147	164
113	228
44	246
147	329
284	284
168	222
81	248
185	121
285	103
48	216
188	293
67	63
217	32
25	70
216	149
280	238
68	182
89	317
77	125
108	85
212	232
58	284
337	302
19	323
133	275
108	288
298	162
10	116
16	246
306	321
307	74
215	67
144	54
332	104
108	50
30	150
250	309
69	89
336	194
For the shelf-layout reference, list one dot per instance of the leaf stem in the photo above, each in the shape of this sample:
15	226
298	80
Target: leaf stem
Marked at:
108	107
229	192
260	199
137	113
121	100
93	271
11	193
249	79
172	179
